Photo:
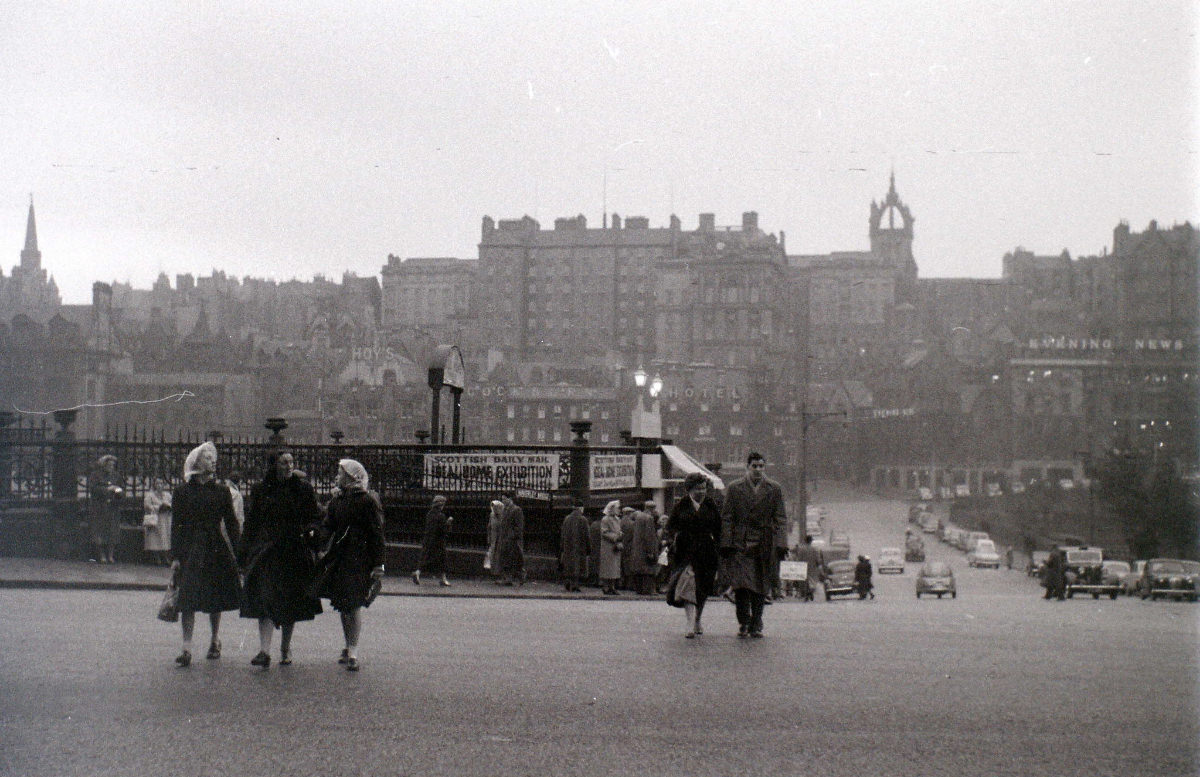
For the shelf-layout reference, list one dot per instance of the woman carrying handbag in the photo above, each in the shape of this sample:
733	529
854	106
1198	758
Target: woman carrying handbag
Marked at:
694	528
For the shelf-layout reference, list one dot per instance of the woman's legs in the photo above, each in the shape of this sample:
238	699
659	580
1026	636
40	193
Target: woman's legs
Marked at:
351	628
266	632
285	639
700	600
689	611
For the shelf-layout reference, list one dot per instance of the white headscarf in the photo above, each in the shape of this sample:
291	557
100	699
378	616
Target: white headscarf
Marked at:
191	465
613	508
356	471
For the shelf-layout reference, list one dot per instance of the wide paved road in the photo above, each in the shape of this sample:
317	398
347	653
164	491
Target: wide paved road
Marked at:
995	682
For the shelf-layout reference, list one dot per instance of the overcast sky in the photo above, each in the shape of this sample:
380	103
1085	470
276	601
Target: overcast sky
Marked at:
320	137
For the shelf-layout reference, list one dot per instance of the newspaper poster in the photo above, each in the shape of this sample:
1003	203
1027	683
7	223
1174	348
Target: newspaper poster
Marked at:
491	471
616	470
793	570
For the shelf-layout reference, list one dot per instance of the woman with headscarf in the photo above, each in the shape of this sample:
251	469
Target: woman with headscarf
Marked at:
203	534
156	520
276	558
433	545
610	548
694	531
104	512
354	561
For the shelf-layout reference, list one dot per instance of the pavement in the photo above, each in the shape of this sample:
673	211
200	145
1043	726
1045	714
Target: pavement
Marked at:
55	574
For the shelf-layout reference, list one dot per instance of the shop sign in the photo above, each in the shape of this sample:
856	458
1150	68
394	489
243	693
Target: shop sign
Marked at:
491	471
613	470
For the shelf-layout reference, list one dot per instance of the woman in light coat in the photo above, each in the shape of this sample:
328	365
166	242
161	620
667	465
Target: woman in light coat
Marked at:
156	521
610	548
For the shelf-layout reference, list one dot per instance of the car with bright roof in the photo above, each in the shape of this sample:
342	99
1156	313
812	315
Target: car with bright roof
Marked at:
984	554
1168	578
937	578
838	579
890	560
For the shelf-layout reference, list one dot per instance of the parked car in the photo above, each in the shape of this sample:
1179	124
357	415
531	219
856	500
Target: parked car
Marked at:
1112	571
839	539
1166	577
928	522
936	578
1085	573
984	555
838	579
1131	579
890	560
1193	571
914	547
974	537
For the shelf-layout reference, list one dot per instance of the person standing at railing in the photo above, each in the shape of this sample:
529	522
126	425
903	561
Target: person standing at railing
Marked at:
156	520
574	547
104	508
204	533
610	548
495	515
277	558
510	543
433	544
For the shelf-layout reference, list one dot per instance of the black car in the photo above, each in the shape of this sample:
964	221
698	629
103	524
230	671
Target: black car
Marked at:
1166	577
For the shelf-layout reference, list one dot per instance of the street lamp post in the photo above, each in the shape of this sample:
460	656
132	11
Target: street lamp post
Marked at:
807	419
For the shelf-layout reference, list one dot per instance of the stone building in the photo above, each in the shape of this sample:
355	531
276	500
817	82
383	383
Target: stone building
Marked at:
29	290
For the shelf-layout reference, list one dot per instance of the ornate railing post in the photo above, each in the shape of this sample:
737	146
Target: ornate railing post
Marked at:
276	425
64	487
580	460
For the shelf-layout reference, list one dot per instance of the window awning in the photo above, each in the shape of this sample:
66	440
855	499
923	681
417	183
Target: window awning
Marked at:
686	464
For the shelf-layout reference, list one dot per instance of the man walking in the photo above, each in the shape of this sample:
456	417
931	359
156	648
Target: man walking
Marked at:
574	549
753	538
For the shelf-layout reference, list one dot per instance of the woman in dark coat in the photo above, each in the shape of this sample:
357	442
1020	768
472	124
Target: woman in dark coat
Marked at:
862	578
203	534
276	556
510	543
575	548
433	545
354	525
104	512
694	530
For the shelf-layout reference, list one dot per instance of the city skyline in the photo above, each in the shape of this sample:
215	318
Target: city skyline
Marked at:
262	145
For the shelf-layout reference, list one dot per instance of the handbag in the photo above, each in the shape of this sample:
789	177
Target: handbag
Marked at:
168	610
373	591
681	586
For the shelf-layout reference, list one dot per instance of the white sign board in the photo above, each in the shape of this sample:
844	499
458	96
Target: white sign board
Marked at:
793	570
491	471
613	470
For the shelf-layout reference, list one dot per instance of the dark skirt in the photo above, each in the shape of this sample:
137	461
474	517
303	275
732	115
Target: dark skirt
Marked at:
276	583
208	576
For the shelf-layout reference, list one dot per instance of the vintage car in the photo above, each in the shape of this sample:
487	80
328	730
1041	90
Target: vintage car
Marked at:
928	522
890	560
1131	579
1085	573
838	579
1112	572
974	537
839	539
984	555
1166	577
936	578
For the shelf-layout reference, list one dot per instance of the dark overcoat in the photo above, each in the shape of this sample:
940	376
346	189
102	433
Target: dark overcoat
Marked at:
433	546
208	575
510	541
276	551
627	519
753	525
643	555
354	525
575	545
694	535
103	510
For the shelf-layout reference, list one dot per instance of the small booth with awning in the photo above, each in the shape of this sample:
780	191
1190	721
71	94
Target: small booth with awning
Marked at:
681	462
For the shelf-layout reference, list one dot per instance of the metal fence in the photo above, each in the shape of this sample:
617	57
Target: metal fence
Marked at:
40	465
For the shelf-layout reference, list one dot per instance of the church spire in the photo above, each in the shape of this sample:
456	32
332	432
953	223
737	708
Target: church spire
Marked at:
31	257
31	229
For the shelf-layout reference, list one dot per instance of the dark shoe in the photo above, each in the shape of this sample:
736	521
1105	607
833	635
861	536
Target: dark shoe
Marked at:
285	657
184	658
214	650
756	634
698	629
345	656
262	659
351	664
743	631
690	635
